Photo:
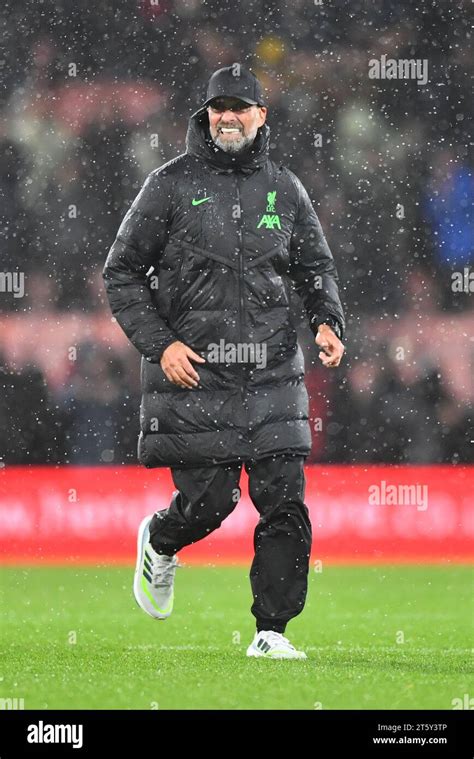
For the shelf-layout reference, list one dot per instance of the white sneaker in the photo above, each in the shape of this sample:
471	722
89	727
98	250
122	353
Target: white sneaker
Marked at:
273	645
154	576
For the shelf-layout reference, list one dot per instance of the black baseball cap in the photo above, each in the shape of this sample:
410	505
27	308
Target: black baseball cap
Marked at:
234	81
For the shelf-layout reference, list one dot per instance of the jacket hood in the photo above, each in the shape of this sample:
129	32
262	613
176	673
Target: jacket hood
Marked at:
199	143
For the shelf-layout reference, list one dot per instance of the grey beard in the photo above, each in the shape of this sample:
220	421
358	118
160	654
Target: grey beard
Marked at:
234	146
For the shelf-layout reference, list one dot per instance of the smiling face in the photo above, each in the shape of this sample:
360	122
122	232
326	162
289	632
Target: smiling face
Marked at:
233	124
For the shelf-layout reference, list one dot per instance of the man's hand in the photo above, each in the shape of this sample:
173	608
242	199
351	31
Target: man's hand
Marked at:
177	367
332	348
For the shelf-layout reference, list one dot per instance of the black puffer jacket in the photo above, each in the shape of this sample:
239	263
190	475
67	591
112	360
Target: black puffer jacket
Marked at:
227	237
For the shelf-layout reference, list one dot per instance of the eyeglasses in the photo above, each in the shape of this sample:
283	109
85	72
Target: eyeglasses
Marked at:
236	108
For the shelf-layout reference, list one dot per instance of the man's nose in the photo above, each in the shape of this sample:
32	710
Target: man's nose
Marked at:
229	116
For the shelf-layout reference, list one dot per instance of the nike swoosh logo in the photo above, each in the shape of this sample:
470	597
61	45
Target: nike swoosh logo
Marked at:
201	200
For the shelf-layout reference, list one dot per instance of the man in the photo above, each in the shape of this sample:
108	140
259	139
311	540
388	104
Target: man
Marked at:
199	278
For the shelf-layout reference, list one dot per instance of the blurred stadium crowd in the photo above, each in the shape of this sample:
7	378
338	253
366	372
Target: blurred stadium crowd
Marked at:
97	95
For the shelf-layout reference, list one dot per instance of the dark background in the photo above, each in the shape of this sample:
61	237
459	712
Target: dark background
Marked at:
99	94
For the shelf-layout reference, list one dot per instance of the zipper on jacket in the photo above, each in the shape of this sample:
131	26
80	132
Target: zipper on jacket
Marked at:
174	297
241	282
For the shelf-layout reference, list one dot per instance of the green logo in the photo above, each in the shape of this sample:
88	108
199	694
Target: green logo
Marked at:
201	200
271	219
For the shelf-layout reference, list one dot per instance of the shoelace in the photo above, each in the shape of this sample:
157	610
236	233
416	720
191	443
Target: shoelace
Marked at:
279	638
162	573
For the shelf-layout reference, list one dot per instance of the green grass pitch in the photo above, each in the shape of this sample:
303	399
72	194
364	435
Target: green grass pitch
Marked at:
376	637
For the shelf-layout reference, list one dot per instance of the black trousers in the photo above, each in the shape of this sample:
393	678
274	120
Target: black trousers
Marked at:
282	537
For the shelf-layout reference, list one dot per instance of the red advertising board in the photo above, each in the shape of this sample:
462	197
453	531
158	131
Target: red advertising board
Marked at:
359	514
